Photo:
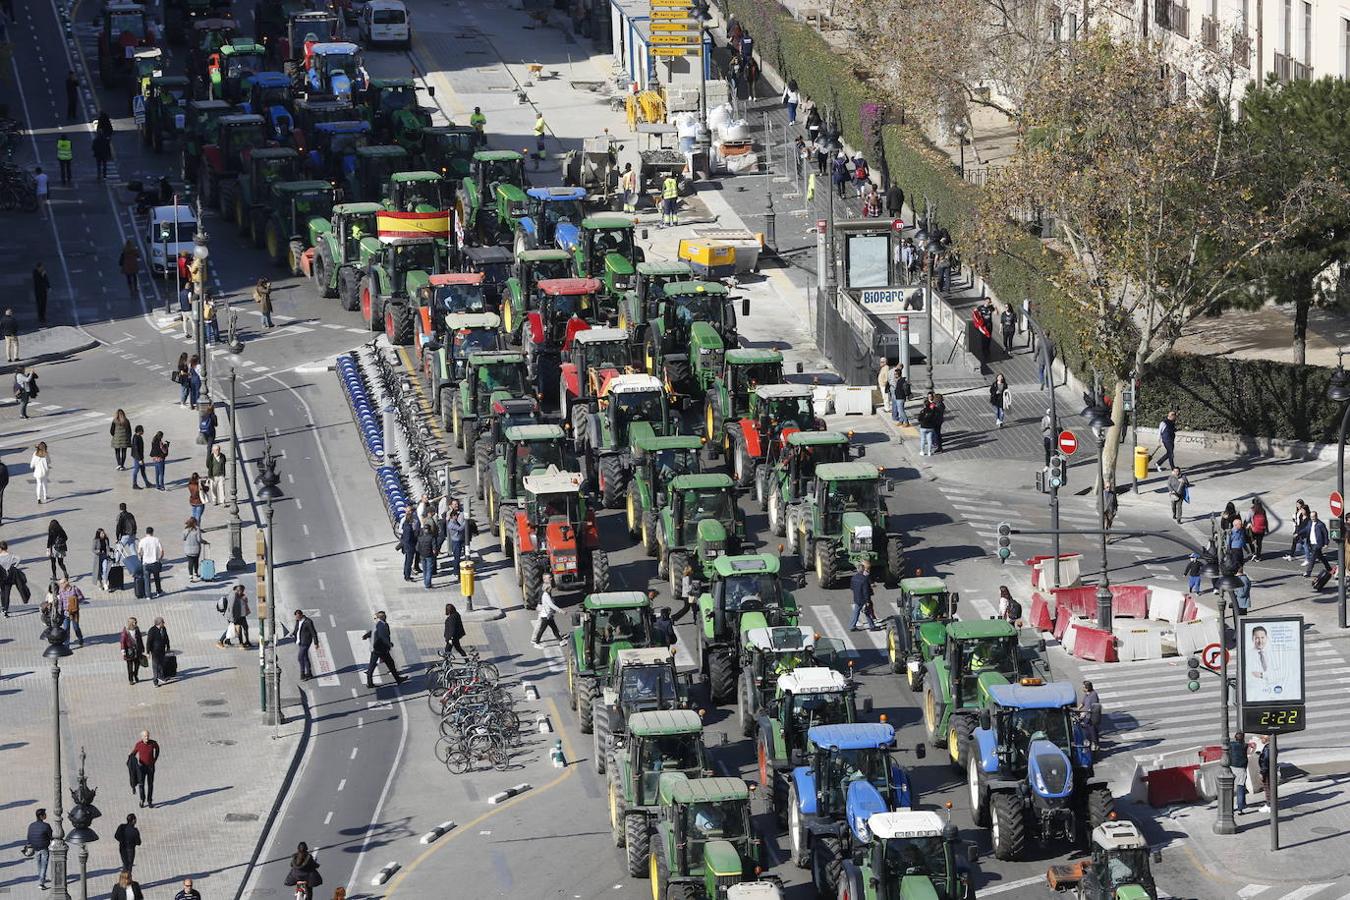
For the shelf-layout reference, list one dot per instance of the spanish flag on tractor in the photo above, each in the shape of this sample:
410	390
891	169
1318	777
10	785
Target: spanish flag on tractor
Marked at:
393	225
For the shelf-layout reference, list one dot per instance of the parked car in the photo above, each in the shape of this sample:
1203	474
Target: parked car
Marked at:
169	233
385	22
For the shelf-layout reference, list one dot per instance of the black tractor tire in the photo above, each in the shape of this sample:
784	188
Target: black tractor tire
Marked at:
600	736
827	564
742	463
678	559
850	883
506	532
931	720
372	304
482	461
1099	805
225	196
618	807
207	186
600	576
447	411
762	476
241	216
1009	823
662	557
777	512
637	844
319	274
722	676
677	370
532	577
349	288
960	737
799	843
979	794
632	513
649	532
895	560
613	481
712	425
685	890
470	441
895	654
586	691
294	252
827	864
661	866
275	243
745	715
398	323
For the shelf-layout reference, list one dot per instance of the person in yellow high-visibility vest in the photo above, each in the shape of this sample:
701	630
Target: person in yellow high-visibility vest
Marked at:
539	129
65	152
670	194
479	123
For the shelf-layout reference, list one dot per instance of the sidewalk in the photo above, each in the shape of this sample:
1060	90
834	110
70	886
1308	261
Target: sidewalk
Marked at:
221	770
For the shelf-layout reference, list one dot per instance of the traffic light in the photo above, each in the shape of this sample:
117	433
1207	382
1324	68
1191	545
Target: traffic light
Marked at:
1059	472
1337	529
1193	674
1004	541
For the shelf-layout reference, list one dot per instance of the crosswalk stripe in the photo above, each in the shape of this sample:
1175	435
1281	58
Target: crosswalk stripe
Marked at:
1306	891
833	628
324	667
360	651
1252	890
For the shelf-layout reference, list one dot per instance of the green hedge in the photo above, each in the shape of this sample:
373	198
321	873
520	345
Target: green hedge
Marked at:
1241	396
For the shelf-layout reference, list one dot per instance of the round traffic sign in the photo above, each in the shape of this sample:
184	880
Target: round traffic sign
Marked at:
1337	503
1067	443
1213	657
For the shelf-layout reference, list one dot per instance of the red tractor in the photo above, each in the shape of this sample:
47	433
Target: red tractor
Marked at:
125	28
554	534
561	307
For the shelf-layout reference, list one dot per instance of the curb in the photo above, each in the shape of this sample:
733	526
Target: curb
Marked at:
508	794
282	793
51	356
384	874
437	832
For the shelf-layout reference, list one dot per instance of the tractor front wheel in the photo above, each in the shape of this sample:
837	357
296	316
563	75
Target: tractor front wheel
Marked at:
295	252
745	715
895	560
633	511
1100	807
721	676
398	323
618	808
762	486
372	310
959	734
742	463
777	518
275	242
599	572
826	864
797	837
979	796
827	564
349	288
1009	826
678	560
532	569
612	481
585	704
637	841
649	532
600	735
894	654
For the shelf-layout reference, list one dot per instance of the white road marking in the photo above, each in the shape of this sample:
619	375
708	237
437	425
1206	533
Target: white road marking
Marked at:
328	818
343	783
990	890
1307	891
833	628
1252	890
324	667
360	651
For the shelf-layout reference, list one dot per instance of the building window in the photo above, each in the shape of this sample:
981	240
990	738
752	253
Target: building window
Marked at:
1307	33
1287	26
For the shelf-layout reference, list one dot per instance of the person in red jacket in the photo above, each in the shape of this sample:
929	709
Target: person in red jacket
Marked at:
146	752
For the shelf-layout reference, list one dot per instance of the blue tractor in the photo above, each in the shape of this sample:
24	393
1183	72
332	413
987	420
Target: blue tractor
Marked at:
1030	772
848	774
552	218
271	96
336	69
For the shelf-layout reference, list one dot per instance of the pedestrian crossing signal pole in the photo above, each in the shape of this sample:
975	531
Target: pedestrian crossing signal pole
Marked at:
269	489
236	561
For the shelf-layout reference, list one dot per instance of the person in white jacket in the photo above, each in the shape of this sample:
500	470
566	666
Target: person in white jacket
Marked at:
547	610
41	464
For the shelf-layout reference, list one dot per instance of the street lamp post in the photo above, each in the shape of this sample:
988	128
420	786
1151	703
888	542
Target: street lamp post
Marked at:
201	253
56	651
1099	421
923	239
82	816
236	562
1338	391
1225	822
269	489
961	131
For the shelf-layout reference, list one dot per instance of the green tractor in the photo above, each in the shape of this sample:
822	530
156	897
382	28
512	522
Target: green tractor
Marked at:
335	265
843	521
476	199
640	680
391	107
265	167
469	410
165	111
908	855
225	158
783	484
628	406
977	656
396	270
641	304
606	623
448	149
657	460
290	219
199	129
702	845
1118	868
700	522
179	16
776	411
769	652
745	593
660	743
519	293
688	334
444	344
519	452
917	633
417	192
804	697
728	396
606	249
231	76
369	178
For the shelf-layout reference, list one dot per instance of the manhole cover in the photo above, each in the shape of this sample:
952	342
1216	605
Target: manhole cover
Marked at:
216	715
1324	829
221	743
210	702
241	817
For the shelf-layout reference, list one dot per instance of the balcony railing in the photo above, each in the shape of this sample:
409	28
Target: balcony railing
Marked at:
1173	16
1289	69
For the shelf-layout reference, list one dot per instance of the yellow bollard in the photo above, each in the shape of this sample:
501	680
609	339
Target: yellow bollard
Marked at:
466	570
1140	463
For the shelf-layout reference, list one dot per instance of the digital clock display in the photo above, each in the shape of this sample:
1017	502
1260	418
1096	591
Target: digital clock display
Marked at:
1274	719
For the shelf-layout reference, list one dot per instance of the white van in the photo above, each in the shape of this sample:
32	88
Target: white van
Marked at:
385	22
169	234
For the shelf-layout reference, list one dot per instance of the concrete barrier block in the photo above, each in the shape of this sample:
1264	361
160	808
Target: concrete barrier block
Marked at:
1129	601
1166	604
1082	600
1063	616
1042	619
1070	635
1192	637
1093	644
1043	570
854	400
1138	639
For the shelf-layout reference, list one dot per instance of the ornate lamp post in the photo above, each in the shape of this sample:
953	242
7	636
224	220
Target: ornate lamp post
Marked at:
236	561
1099	420
269	489
56	651
82	816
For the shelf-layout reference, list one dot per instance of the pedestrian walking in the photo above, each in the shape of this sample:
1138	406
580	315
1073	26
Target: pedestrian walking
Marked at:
42	287
813	125
1300	523
998	398
457	529
1242	595
304	871
102	148
540	128
11	576
40	463
861	584
407	541
146	752
216	465
102	549
1179	491
65	155
194	388
1239	758
138	473
58	542
426	551
119	433
1236	542
859	173
193	543
262	295
70	598
822	151
25	389
1090	708
72	94
546	611
1009	610
839	174
9	327
126	523
895	201
1167	437
663	629
1007	321
629	188
207	423
1110	503
380	646
128	838
306	638
1194	572
188	892
132	644
182	376
927	419
1316	545
238	618
129	262
791	99
39	842
1258	524
151	553
4	483
195	501
159	457
41	190
979	317
454	631
126	888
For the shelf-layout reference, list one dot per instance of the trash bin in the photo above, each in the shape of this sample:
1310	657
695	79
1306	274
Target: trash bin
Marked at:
1141	463
466	570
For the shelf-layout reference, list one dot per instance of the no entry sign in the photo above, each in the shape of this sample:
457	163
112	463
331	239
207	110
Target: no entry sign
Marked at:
1337	503
1067	443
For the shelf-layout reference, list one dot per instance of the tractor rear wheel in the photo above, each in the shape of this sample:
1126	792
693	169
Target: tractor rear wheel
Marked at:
798	841
959	734
827	564
225	196
295	250
745	716
678	560
649	532
600	735
398	323
349	288
979	796
826	864
1100	806
275	243
895	560
742	463
777	518
599	571
532	569
762	486
585	704
1009	826
721	676
637	841
618	807
612	480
